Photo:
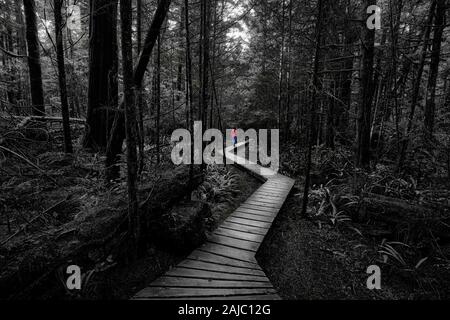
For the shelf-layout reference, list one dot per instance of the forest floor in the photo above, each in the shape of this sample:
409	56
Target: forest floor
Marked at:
224	190
61	211
309	260
326	254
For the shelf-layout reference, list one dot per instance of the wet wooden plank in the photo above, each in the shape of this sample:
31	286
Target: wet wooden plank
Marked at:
256	212
276	189
272	190
268	198
245	222
268	195
211	266
164	292
212	275
214	258
239	235
278	192
259	208
253	217
180	282
266	202
262	204
280	185
233	243
239	227
229	252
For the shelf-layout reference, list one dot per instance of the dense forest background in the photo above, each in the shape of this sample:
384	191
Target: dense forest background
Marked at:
87	111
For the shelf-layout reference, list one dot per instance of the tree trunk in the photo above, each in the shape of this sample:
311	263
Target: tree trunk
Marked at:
346	84
394	49
158	100
118	130
130	121
212	66
314	105
288	77
189	87
206	56
280	71
430	105
141	131
150	40
416	86
103	71
180	57
139	25
62	76
365	106
204	74
34	59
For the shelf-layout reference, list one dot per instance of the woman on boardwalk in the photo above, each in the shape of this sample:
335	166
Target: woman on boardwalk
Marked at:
234	136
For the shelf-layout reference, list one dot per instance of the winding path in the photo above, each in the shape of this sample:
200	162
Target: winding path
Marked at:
225	266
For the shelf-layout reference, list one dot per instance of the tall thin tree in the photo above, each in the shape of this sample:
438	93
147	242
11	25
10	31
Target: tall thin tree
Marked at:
366	93
416	85
316	88
430	104
130	120
189	86
34	58
62	75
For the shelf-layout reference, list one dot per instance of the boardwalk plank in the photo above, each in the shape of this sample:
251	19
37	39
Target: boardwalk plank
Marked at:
211	266
262	204
229	252
180	282
256	212
218	259
213	275
259	208
275	189
253	217
246	222
234	243
239	235
274	201
240	227
271	192
263	198
160	292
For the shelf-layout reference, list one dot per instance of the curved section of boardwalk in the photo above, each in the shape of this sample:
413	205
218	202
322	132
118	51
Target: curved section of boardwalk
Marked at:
225	266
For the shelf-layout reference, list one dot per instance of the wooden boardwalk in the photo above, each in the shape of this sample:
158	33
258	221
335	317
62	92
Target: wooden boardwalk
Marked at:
225	266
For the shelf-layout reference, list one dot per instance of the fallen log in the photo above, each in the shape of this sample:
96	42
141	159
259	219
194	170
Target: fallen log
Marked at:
398	213
395	207
26	120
